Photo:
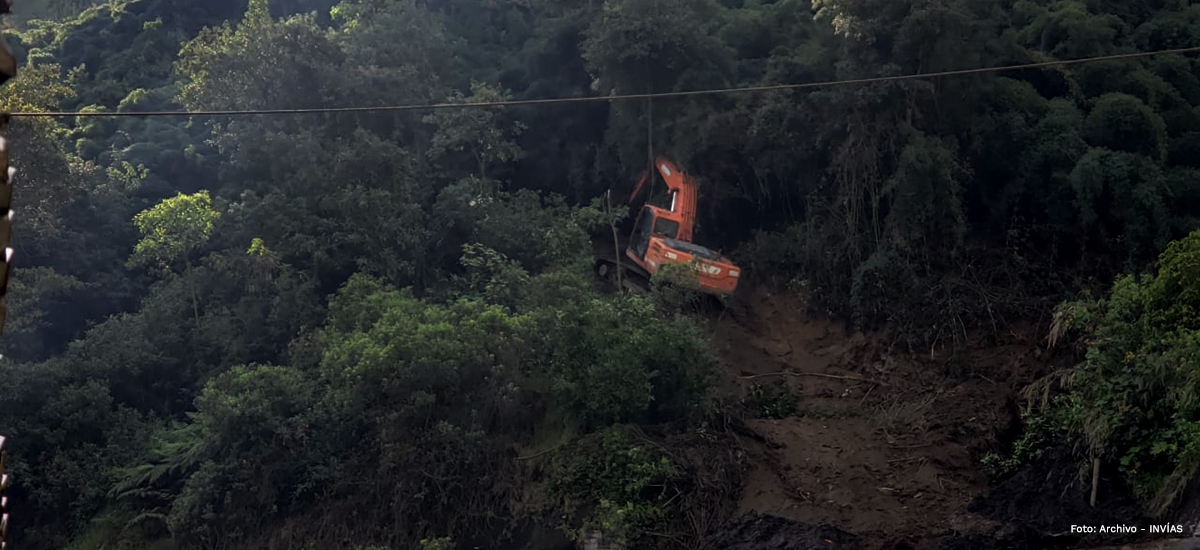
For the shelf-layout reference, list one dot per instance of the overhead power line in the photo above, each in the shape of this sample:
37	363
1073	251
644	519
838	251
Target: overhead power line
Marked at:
596	99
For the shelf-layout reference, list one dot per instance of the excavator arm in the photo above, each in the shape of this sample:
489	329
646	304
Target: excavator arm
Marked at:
683	196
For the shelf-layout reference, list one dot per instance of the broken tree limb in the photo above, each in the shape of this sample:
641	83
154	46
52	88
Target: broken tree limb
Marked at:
815	374
917	446
541	453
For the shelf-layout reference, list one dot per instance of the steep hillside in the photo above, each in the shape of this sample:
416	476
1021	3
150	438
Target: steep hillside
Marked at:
364	328
882	442
886	449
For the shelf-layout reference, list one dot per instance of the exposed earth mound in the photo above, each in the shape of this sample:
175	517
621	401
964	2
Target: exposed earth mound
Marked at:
1046	498
884	448
753	531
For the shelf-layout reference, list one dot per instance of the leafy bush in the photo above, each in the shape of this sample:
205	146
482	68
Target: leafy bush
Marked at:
1040	433
616	360
1135	398
440	543
875	287
611	482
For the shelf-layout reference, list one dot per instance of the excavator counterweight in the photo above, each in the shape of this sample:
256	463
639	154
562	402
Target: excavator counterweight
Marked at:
662	236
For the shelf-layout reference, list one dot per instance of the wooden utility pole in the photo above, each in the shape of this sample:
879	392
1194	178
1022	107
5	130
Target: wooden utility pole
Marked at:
650	136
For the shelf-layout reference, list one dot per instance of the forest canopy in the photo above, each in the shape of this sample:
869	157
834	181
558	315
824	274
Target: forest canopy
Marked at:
218	321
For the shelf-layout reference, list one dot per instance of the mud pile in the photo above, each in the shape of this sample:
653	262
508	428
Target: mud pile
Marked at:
884	451
1042	501
754	531
1034	510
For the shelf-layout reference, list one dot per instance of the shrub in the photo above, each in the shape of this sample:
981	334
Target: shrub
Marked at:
1135	398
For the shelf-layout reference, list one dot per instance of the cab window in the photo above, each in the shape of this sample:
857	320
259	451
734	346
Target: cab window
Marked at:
668	228
641	233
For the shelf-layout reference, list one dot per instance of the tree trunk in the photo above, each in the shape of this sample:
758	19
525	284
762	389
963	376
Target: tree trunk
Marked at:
195	299
612	224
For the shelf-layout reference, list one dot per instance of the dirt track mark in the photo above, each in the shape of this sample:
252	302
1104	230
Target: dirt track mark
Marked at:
884	444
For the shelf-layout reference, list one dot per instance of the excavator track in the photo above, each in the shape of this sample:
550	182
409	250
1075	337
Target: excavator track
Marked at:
607	262
634	279
630	277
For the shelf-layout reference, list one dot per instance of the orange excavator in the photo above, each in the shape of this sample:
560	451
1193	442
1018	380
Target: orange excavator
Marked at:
662	236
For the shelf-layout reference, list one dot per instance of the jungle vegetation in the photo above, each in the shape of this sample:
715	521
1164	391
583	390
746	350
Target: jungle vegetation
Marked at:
358	328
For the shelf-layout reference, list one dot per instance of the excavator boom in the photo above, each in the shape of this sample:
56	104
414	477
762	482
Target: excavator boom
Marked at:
683	196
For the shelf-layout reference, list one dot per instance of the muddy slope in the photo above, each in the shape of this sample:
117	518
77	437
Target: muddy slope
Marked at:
754	531
885	449
882	442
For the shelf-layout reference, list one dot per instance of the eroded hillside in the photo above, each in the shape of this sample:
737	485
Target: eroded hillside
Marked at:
886	447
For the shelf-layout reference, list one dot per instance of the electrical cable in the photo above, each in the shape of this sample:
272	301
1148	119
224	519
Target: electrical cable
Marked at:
595	99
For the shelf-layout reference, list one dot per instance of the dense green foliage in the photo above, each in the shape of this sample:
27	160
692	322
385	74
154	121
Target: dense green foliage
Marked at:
1133	398
218	322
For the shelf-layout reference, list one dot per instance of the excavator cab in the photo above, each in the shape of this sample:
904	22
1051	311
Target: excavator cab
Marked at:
663	235
651	223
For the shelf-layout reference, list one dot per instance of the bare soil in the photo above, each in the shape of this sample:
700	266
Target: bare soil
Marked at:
885	451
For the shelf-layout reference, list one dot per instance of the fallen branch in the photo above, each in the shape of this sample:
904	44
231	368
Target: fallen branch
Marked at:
988	379
865	396
918	446
535	455
816	374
